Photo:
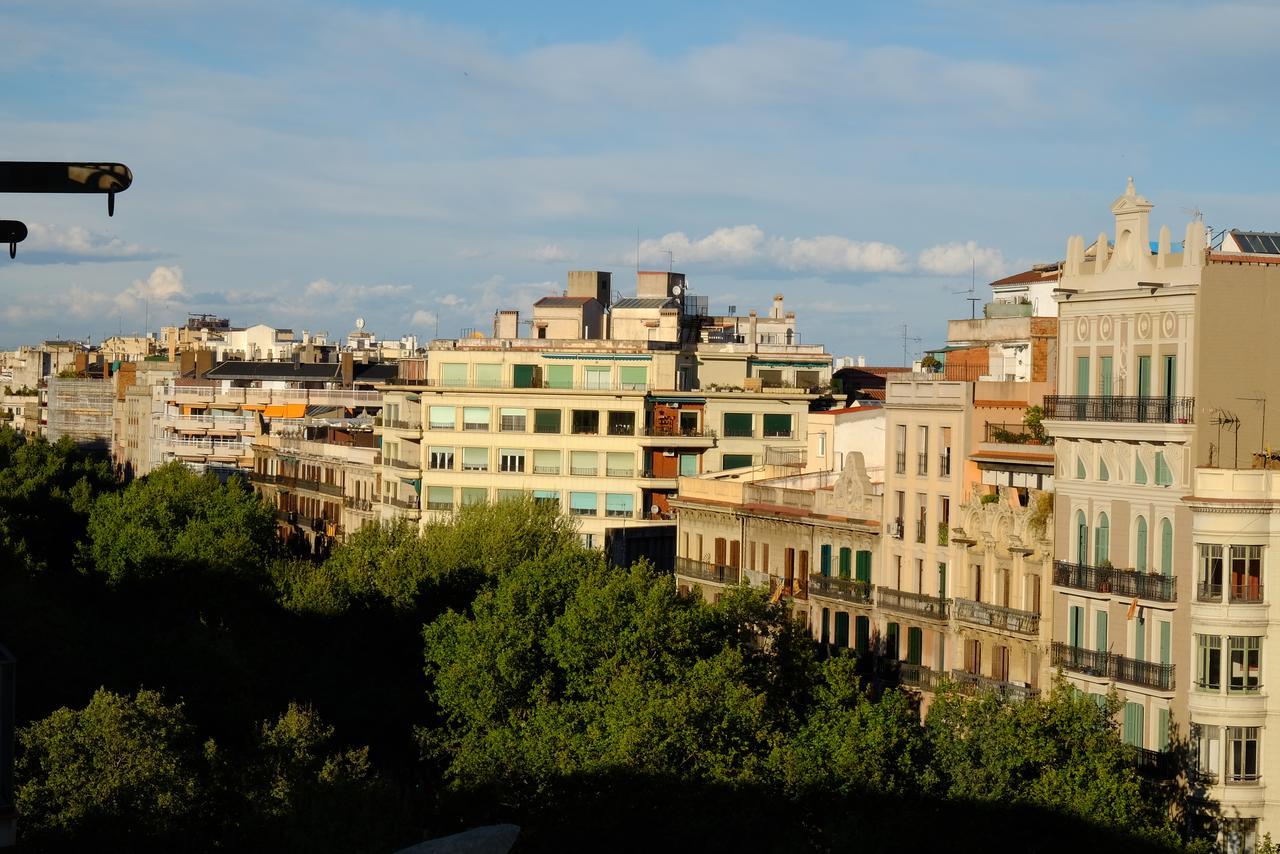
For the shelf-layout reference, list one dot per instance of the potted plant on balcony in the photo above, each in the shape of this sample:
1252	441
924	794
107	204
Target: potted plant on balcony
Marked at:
1104	576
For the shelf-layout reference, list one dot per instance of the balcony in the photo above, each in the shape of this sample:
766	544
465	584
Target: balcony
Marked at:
919	676
396	462
398	424
915	604
1126	582
843	589
364	505
997	617
616	472
1107	665
703	571
1012	434
974	682
1145	410
403	503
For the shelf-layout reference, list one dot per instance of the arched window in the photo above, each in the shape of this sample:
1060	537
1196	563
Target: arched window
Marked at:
1082	538
1102	540
1140	546
1103	474
1166	546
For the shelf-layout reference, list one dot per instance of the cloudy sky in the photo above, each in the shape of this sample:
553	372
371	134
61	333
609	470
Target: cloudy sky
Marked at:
423	164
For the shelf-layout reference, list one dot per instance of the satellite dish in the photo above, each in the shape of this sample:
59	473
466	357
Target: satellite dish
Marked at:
676	290
359	323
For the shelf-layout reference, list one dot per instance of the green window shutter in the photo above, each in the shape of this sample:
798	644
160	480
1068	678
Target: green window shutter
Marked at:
824	560
1144	376
1133	724
846	561
583	503
1140	641
1075	625
915	645
453	374
777	425
1166	547
559	376
735	461
546	420
522	375
1082	376
1139	471
826	625
634	377
1104	376
1164	642
863	566
488	376
891	640
1140	549
737	424
1164	730
842	628
1102	631
689	465
862	634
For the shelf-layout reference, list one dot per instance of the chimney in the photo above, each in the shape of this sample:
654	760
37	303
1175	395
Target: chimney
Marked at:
777	307
506	324
348	370
751	329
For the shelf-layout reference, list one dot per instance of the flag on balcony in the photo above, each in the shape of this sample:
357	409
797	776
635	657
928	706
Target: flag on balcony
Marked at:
1133	609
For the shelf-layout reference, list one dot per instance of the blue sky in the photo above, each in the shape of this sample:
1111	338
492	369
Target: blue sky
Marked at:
303	164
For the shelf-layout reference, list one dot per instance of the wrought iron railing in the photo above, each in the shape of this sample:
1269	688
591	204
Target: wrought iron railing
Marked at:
1012	434
1128	582
919	676
1149	410
997	617
845	589
720	573
919	604
1108	665
1208	592
972	682
1246	592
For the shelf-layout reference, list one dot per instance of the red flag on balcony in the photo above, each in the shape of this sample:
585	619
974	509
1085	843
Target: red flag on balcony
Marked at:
1133	609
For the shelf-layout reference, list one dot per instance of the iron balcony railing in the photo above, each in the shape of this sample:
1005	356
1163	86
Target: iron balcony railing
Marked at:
1012	434
1148	410
1246	592
1208	592
398	463
720	573
973	682
844	589
405	503
919	676
1128	582
1108	665
918	604
997	617
353	503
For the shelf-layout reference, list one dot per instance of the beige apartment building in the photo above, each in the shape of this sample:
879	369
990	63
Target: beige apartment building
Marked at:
602	426
1164	542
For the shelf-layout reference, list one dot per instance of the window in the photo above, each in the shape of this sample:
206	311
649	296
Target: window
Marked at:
622	423
1101	636
1246	573
633	377
822	445
475	418
915	645
1102	541
900	459
1209	583
583	463
475	459
510	494
1244	672
1206	746
443	417
582	503
511	420
1240	836
1081	474
842	629
737	424
488	376
688	465
862	566
586	422
777	425
1133	729
862	633
596	376
440	459
524	376
510	460
474	495
1208	662
453	374
546	496
1103	473
1140	546
922	523
824	560
846	561
619	506
891	640
439	497
735	461
620	464
922	452
559	376
1242	754
546	462
1082	538
546	420
1164	476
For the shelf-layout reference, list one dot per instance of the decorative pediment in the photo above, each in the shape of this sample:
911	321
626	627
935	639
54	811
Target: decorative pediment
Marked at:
852	490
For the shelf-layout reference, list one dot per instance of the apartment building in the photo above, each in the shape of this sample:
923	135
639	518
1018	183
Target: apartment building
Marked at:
320	475
135	407
601	409
1163	527
79	409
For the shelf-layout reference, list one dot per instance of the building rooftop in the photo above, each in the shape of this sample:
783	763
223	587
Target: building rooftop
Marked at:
299	371
562	302
647	302
1257	242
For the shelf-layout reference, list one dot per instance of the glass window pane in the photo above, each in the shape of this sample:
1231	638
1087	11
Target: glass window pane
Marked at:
618	505
546	462
595	377
474	495
634	377
443	417
475	418
777	424
546	420
439	497
582	503
475	459
736	461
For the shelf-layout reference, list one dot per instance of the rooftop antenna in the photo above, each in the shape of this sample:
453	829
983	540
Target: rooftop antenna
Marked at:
1229	420
906	356
973	298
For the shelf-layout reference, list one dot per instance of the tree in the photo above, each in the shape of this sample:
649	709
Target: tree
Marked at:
119	774
175	521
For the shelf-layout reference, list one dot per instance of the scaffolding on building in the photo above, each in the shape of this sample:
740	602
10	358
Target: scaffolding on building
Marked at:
81	410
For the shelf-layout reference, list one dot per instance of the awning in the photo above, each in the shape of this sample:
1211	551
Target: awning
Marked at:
607	357
286	410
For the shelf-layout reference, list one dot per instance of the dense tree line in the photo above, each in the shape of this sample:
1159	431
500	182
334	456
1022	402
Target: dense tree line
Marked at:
185	685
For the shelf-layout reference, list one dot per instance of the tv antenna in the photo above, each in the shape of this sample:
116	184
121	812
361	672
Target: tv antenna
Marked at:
973	297
906	355
1232	422
1195	213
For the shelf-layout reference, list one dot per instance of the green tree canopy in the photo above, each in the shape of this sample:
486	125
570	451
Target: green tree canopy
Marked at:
174	520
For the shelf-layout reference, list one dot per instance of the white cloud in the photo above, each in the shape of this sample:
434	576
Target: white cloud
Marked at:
74	244
423	319
742	245
950	259
550	253
164	284
321	288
